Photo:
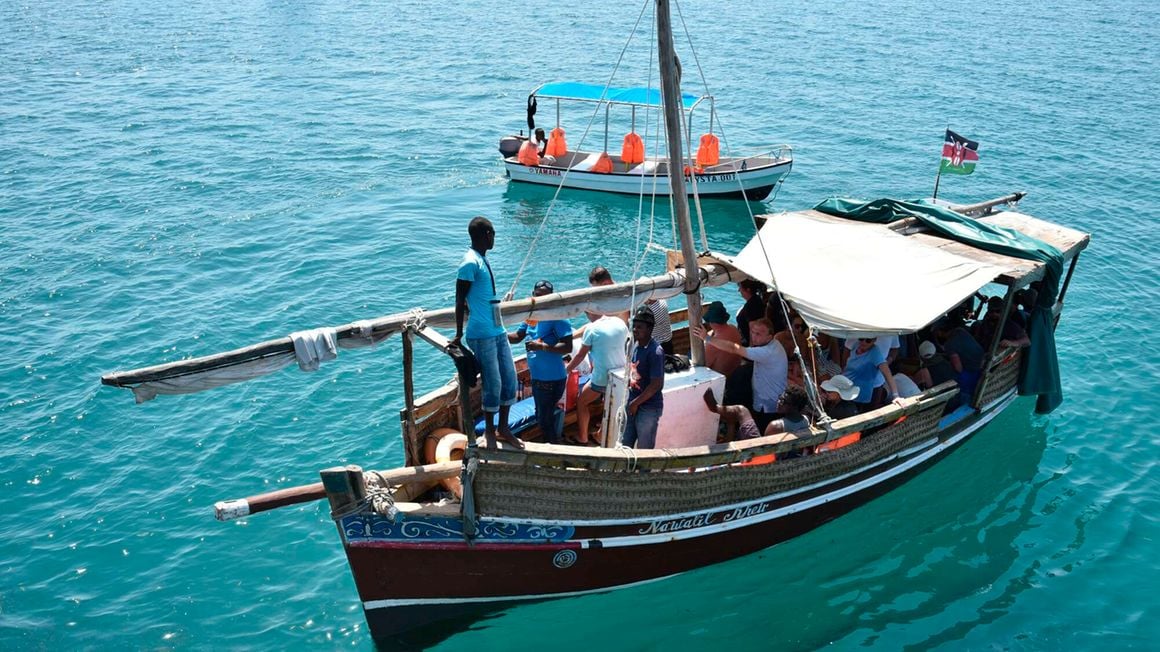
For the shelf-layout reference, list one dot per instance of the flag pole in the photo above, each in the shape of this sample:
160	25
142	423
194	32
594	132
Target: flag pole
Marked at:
938	176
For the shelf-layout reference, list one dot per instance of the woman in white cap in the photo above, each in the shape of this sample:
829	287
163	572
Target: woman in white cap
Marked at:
935	369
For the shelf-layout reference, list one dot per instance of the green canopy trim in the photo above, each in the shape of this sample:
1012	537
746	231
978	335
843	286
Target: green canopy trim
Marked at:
1040	372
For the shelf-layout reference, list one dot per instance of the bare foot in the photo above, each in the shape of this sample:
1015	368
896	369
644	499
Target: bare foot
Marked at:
710	400
490	437
511	439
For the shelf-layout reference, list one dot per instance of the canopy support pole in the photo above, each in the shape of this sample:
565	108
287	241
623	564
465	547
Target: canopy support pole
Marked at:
607	109
989	361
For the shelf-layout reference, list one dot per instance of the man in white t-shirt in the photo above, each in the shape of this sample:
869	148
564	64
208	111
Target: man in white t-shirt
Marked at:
606	339
770	366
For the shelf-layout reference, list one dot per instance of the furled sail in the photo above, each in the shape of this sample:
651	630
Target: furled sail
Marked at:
208	372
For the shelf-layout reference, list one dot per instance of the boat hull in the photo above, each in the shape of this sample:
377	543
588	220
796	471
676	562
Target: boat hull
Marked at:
754	183
413	573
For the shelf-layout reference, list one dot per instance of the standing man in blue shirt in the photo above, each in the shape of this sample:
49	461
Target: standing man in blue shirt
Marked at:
550	340
475	295
645	396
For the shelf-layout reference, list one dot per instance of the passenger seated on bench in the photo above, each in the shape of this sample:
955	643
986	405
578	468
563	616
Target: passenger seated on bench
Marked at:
963	352
906	386
791	405
985	328
935	369
542	143
740	424
868	369
838	397
1025	299
888	345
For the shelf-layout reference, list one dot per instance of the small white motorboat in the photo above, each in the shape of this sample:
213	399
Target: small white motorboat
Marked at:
633	172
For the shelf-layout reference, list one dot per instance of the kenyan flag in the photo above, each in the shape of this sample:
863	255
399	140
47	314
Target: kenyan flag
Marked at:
959	155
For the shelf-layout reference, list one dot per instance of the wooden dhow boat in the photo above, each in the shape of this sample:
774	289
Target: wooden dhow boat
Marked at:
752	175
461	528
555	521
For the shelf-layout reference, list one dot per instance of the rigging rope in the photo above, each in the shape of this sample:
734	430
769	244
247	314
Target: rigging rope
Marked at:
539	232
811	389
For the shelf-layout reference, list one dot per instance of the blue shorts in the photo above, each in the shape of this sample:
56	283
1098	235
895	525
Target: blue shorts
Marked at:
599	389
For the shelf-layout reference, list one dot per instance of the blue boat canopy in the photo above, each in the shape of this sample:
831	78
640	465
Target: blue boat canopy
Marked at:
638	96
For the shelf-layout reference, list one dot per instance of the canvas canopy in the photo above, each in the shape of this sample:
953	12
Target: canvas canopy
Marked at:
580	91
1039	374
849	279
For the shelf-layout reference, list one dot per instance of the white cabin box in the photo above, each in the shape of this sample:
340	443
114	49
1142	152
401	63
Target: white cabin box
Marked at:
685	420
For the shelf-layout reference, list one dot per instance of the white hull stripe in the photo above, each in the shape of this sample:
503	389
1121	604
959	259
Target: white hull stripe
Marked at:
414	602
618	542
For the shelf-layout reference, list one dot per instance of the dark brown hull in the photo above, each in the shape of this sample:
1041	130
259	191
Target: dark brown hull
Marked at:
409	579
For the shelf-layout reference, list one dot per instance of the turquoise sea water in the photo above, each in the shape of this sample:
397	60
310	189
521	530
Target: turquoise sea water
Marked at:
179	179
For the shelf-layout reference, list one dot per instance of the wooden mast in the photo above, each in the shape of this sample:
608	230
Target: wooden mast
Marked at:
671	94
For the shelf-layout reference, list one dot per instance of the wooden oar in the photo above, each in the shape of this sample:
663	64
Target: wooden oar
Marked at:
227	510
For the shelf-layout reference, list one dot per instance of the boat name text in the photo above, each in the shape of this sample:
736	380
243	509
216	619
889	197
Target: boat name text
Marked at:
701	520
657	527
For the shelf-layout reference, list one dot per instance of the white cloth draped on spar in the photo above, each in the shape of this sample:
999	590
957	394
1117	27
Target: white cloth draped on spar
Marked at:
313	347
852	278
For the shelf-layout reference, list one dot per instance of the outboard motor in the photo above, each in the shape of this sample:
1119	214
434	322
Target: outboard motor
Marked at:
510	145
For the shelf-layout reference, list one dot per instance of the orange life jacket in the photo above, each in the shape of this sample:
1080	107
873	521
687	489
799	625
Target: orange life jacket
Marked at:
529	153
840	442
758	460
708	153
603	164
632	152
557	146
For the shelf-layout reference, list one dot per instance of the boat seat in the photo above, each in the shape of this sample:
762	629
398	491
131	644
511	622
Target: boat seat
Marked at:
648	167
587	163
